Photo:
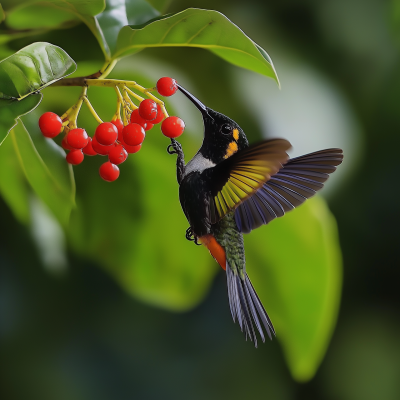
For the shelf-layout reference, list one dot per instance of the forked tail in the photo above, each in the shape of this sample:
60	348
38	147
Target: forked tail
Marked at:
246	306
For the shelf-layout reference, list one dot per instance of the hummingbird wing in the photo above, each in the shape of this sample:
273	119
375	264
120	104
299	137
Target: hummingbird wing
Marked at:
299	179
238	177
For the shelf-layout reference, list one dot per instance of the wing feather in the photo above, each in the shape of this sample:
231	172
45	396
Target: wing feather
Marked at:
299	179
238	177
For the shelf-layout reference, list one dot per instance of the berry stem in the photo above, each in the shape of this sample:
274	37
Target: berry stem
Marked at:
117	114
72	113
125	109
89	81
127	99
92	110
133	94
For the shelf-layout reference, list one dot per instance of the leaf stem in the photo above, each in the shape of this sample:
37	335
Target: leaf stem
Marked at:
107	68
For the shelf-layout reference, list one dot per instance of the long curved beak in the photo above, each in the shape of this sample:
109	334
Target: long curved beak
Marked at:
199	105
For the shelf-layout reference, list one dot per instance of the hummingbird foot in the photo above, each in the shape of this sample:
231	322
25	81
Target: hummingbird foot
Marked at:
177	147
191	236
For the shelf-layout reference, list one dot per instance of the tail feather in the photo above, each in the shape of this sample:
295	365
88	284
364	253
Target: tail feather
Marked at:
246	307
261	310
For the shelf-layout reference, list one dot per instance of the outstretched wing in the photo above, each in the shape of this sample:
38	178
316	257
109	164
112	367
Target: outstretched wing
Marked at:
241	175
299	179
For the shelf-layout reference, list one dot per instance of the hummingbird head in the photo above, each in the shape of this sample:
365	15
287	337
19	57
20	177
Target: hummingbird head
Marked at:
223	137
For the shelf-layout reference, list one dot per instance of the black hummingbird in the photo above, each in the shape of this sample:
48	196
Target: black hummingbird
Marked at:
229	188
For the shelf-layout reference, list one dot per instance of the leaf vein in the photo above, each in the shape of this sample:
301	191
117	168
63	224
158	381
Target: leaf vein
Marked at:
176	23
198	33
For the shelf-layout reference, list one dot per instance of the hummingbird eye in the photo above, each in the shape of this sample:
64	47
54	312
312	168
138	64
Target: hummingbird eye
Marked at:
226	129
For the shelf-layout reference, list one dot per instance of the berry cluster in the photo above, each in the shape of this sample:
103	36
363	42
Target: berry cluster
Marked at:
118	138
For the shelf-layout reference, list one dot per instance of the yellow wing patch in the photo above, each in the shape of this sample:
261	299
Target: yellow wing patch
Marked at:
248	171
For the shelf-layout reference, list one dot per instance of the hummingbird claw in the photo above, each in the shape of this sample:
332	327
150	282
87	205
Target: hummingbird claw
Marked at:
191	236
176	146
169	151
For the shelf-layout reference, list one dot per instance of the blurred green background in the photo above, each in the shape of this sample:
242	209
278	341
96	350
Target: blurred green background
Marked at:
69	331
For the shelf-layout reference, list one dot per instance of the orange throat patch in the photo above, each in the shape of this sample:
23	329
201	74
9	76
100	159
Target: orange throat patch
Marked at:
232	149
215	249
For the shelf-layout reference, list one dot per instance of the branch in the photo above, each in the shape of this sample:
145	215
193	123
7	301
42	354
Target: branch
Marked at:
78	81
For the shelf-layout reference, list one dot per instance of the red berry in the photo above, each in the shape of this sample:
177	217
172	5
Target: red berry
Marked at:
137	119
160	115
50	124
99	148
117	154
119	124
148	126
65	145
133	134
109	172
148	109
167	86
88	149
75	157
106	133
172	127
131	149
77	138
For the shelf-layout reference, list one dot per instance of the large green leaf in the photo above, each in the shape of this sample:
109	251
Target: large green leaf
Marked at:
205	29
295	266
11	109
47	171
119	13
33	68
13	185
52	13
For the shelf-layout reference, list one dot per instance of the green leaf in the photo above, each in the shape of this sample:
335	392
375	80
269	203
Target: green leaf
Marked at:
111	20
47	171
11	109
53	13
205	29
295	265
33	68
13	186
41	15
119	13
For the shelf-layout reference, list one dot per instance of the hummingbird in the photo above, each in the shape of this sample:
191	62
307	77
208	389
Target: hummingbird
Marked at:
230	188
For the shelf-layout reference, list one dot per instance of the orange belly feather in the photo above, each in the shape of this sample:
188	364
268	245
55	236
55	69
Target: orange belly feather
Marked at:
216	250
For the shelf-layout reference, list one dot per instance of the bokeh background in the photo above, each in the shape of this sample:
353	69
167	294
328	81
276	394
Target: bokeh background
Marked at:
69	331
